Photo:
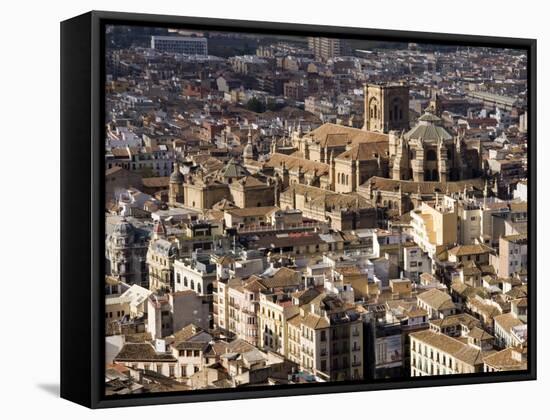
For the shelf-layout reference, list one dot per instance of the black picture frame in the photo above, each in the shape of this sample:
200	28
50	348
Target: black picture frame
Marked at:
82	206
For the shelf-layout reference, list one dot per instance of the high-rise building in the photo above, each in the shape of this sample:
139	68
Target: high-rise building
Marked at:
180	44
325	48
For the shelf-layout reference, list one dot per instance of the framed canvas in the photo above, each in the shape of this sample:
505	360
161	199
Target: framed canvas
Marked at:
254	209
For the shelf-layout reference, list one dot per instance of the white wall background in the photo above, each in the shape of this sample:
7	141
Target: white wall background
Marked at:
30	211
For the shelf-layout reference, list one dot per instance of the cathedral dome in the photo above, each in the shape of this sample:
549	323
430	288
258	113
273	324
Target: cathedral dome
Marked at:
234	169
123	228
428	129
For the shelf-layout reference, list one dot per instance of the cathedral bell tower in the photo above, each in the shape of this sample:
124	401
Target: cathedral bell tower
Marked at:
386	107
175	188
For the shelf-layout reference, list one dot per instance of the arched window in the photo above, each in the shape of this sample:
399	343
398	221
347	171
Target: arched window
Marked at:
431	155
185	283
375	111
192	284
389	205
397	108
199	288
347	179
338	178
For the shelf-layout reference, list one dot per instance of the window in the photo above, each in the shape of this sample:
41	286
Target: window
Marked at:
323	365
323	336
178	278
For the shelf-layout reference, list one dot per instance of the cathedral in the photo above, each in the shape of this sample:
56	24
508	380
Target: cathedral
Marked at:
427	152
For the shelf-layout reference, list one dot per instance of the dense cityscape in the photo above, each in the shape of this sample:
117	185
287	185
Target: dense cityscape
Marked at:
285	210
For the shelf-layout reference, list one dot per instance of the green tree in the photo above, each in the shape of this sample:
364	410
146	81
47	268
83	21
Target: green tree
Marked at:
255	105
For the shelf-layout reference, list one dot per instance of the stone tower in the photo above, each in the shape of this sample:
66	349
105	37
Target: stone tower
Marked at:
175	189
249	151
386	107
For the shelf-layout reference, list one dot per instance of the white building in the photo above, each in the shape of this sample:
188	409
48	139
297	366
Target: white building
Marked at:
180	45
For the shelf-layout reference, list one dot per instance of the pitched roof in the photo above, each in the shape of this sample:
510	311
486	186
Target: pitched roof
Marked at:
315	321
436	299
276	160
452	346
424	187
507	321
252	211
156	182
133	352
474	249
365	151
331	134
507	359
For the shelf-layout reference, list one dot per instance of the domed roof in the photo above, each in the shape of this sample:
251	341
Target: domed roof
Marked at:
123	228
176	176
428	129
234	169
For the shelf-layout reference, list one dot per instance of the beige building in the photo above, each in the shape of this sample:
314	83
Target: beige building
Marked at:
435	227
402	196
512	255
160	260
359	163
242	308
438	354
513	358
326	339
505	330
324	48
477	253
436	303
340	211
251	216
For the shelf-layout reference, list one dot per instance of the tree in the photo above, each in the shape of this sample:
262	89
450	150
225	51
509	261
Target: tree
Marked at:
255	105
